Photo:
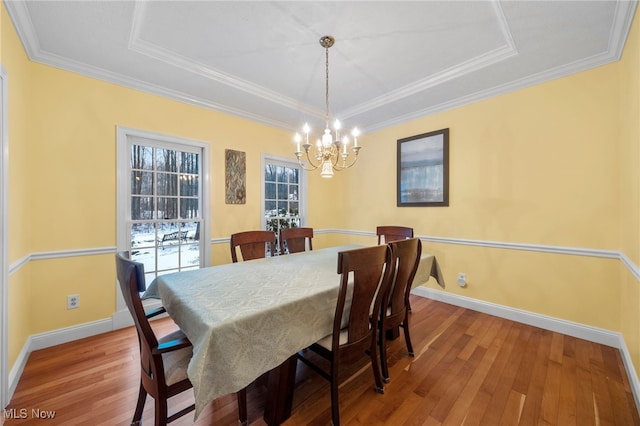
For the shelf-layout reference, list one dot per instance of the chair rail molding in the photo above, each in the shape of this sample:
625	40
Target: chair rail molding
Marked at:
122	319
575	251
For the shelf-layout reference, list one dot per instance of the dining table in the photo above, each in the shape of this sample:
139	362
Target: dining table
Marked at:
250	318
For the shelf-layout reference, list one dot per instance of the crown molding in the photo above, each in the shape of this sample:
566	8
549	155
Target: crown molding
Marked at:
21	19
623	17
499	54
137	44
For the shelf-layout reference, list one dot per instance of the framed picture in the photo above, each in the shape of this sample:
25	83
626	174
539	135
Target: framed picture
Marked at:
423	170
235	177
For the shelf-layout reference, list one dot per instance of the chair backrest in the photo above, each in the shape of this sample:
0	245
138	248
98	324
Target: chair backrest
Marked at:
405	256
131	278
393	233
295	239
369	270
252	244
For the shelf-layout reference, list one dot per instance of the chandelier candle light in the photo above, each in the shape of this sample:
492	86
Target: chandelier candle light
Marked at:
331	151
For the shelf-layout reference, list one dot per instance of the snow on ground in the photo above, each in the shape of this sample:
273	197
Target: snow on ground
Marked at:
170	256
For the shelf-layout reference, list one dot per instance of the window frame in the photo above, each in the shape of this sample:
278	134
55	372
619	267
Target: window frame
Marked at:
125	138
302	186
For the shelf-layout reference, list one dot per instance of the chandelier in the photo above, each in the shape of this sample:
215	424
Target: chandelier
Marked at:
331	152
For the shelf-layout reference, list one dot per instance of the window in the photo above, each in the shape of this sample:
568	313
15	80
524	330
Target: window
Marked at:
284	193
162	221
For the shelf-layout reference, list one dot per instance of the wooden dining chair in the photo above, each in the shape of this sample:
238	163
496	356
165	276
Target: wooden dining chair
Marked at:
253	244
393	233
294	240
368	271
405	255
164	360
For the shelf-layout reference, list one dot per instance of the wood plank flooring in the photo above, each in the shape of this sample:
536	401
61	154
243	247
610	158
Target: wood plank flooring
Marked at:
469	369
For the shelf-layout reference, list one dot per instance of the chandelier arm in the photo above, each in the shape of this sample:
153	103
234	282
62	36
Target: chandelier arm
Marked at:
344	165
304	167
331	154
312	166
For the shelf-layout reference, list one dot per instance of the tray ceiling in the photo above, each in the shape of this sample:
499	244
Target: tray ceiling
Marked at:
391	62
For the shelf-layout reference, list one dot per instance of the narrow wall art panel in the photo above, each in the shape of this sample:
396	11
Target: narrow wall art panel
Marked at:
235	176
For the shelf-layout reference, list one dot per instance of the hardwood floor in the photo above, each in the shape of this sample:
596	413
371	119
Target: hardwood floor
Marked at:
469	369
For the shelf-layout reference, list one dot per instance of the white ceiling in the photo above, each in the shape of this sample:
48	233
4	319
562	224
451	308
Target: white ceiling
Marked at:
392	61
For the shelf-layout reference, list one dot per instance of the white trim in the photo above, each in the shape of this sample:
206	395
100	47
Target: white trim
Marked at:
122	318
18	367
581	331
622	18
633	268
20	17
124	134
490	57
45	255
205	71
68	334
302	185
611	254
53	338
5	392
593	334
15	266
634	381
575	251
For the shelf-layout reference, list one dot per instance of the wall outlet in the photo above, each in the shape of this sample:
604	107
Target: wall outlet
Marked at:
462	279
73	301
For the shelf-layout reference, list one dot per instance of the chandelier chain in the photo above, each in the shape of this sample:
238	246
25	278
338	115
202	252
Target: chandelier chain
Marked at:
331	150
326	90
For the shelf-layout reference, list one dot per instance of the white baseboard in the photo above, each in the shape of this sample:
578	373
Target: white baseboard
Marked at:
123	319
52	338
120	319
581	331
69	334
18	368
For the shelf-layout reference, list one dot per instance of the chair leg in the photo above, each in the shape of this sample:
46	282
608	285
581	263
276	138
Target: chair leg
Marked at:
375	366
407	338
335	401
161	411
142	397
333	384
242	406
383	355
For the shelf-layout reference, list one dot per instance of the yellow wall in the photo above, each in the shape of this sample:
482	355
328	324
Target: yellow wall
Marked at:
524	168
629	175
555	164
536	166
74	181
552	165
17	66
